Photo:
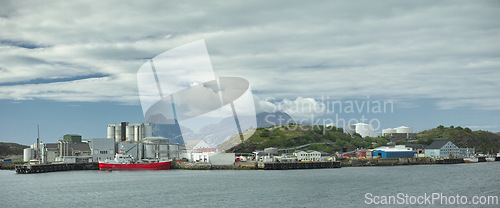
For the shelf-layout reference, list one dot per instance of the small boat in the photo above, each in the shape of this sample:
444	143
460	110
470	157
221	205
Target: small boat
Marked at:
471	160
490	159
125	161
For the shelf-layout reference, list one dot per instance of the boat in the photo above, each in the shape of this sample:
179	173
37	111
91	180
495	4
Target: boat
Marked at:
123	161
471	160
490	159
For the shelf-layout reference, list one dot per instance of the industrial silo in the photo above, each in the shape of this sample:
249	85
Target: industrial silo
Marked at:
388	131
149	151
404	129
111	132
27	154
118	134
137	132
365	130
148	130
130	133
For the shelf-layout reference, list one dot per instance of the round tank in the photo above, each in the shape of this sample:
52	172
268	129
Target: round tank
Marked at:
148	131
149	151
136	133
404	129
365	130
118	134
388	131
111	132
27	154
130	133
164	150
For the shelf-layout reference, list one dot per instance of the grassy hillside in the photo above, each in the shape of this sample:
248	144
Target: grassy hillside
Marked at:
334	139
483	141
11	149
293	135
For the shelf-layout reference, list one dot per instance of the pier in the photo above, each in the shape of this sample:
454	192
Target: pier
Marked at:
297	165
44	168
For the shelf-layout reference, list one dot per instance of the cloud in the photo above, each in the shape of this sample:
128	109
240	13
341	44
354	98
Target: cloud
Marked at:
403	51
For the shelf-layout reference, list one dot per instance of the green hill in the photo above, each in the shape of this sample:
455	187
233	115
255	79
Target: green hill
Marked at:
483	141
11	149
332	139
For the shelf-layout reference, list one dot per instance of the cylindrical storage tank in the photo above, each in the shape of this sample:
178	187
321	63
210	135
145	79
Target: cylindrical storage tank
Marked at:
136	133
149	151
118	134
404	129
111	132
388	131
130	133
365	130
27	154
148	131
164	151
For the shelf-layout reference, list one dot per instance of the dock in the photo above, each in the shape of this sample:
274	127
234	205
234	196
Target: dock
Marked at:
44	168
297	165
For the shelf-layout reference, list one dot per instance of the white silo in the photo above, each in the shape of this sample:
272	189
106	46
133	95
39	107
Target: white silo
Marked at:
27	154
129	133
148	130
404	129
136	132
388	131
118	134
365	130
111	132
149	151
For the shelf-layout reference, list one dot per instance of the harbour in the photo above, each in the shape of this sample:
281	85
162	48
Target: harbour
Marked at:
344	187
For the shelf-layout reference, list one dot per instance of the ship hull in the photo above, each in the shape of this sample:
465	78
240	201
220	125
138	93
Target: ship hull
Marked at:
136	166
470	160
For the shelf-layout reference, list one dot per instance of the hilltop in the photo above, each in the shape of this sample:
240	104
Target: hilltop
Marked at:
11	149
483	141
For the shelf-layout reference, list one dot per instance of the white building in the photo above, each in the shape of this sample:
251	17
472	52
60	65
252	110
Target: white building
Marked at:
311	155
102	149
442	149
199	150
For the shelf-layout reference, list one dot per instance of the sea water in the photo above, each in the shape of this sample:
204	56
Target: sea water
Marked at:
344	187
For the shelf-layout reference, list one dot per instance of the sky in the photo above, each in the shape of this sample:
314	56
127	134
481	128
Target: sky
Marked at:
71	66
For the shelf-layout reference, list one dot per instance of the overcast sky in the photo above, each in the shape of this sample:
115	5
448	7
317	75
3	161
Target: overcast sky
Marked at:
71	66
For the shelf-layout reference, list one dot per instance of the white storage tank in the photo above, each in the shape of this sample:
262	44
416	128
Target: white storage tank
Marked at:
404	129
164	151
388	131
136	133
149	151
111	132
148	131
118	134
365	130
27	154
129	133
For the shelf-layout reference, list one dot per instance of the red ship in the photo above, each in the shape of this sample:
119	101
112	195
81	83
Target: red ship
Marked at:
124	161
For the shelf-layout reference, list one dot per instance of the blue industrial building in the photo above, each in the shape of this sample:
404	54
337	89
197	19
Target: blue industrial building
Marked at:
392	154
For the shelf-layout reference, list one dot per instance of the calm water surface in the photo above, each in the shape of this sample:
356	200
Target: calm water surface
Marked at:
344	187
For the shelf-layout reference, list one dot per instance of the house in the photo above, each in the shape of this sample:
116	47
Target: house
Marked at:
364	153
442	149
199	150
311	155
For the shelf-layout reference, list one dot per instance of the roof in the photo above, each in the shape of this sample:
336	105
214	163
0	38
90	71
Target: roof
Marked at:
436	145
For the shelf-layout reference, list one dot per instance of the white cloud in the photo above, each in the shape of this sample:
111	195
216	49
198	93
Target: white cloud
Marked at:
404	51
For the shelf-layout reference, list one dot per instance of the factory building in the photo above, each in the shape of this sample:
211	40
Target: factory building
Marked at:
199	150
310	155
131	132
393	152
102	149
